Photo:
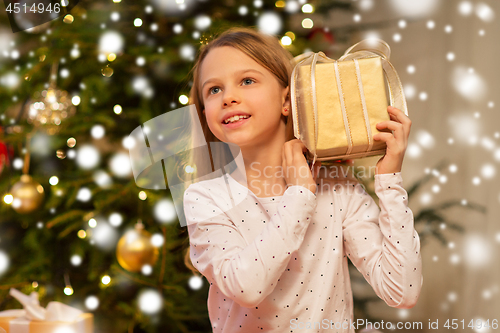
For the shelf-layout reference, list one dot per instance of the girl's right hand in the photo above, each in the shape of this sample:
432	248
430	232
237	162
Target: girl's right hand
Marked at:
295	168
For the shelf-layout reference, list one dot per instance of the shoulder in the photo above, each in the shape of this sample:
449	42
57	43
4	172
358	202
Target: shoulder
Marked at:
213	195
205	188
204	201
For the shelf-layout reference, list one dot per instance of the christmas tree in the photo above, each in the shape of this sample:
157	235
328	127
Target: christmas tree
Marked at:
73	89
74	224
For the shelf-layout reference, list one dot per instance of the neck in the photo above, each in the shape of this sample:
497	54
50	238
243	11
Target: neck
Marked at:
263	167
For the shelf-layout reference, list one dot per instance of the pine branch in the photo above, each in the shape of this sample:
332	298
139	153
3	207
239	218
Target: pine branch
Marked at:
103	198
66	218
416	186
69	229
455	202
147	283
163	256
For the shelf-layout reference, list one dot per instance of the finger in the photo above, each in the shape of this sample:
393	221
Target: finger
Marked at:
392	145
299	148
386	137
398	128
287	150
399	116
317	167
397	112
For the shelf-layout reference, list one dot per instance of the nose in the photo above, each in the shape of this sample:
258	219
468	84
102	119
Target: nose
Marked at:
230	98
226	104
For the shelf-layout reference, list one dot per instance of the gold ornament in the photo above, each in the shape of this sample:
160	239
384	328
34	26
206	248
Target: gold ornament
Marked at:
107	71
28	195
134	249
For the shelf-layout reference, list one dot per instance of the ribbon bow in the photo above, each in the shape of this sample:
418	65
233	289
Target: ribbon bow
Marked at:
55	311
366	48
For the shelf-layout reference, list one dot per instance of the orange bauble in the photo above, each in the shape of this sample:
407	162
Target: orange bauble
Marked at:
134	249
28	195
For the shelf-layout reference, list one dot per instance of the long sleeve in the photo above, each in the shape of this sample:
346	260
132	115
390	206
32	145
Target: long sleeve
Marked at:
382	243
245	272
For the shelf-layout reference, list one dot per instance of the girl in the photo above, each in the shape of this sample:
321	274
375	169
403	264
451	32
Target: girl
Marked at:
277	262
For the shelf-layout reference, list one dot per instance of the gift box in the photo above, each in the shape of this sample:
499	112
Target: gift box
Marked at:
56	318
336	104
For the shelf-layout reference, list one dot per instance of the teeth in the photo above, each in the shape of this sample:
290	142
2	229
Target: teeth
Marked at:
235	118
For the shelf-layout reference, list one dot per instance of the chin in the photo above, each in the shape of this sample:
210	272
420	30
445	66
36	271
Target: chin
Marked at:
239	142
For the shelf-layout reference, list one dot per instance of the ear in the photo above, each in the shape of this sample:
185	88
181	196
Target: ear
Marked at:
285	99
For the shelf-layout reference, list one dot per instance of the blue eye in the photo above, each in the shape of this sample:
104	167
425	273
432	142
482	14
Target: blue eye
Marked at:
248	79
210	91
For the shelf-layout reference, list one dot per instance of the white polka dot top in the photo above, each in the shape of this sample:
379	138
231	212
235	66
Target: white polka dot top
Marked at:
279	264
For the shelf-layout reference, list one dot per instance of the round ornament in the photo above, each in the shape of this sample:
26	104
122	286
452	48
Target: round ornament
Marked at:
134	249
28	195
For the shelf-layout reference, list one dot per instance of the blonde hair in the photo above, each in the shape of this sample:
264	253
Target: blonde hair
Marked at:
267	52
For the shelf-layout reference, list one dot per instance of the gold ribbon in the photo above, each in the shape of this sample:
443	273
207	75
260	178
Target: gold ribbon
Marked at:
367	48
363	104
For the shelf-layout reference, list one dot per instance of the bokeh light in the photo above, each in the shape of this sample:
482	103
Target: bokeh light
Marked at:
117	109
202	22
8	199
366	5
111	42
150	301
84	194
4	262
412	8
465	8
91	302
164	211
106	280
87	157
484	12
147	270
120	166
477	251
97	131
115	219
102	178
137	22
76	260
269	23
195	282
157	240
307	23
307	8
53	180
468	83
105	236
183	99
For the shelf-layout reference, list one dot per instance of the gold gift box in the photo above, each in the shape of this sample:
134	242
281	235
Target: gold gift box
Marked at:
336	105
83	324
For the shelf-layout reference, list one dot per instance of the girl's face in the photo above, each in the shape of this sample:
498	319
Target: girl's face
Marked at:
233	83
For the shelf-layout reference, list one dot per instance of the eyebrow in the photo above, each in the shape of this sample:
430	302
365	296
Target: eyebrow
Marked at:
238	73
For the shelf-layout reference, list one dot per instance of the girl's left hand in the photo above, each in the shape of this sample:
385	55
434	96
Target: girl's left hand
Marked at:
396	142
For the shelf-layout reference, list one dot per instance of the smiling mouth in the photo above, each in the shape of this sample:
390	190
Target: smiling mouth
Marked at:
234	122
